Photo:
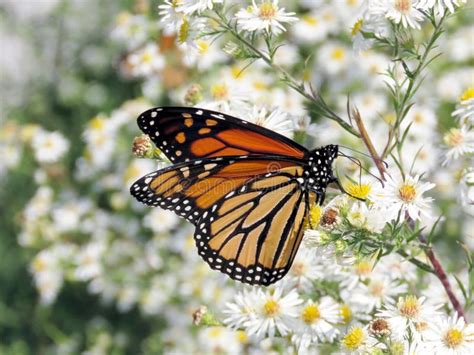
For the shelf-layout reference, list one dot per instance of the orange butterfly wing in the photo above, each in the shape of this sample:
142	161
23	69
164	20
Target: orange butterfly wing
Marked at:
192	133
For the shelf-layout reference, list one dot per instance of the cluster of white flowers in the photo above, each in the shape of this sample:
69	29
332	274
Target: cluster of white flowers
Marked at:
348	289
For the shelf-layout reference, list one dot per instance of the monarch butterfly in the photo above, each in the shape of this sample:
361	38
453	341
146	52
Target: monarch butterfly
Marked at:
247	190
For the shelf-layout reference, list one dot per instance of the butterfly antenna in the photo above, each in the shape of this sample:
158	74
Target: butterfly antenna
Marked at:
364	154
359	164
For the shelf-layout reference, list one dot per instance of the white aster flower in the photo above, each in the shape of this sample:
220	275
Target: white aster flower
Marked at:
266	16
147	61
405	12
317	321
192	6
409	314
130	29
306	269
450	336
160	221
333	57
218	340
49	147
460	142
404	196
377	291
170	15
274	119
88	261
465	110
242	310
275	311
441	5
356	340
310	29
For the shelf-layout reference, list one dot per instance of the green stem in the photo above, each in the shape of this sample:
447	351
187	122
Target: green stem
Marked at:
287	77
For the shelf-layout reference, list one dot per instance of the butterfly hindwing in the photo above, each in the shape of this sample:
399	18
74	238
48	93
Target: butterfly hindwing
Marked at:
252	235
191	133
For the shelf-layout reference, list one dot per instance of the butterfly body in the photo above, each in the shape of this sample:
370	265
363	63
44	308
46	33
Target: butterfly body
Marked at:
247	190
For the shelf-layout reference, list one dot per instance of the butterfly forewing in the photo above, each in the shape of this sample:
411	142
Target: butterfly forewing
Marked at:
187	133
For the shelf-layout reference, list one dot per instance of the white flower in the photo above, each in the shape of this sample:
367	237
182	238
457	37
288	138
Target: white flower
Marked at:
160	221
147	61
130	29
404	196
88	260
306	269
218	340
409	313
467	187
333	57
310	29
465	110
265	16
171	17
399	11
242	310
273	119
191	6
317	322
450	336
442	4
275	311
460	142
49	147
379	290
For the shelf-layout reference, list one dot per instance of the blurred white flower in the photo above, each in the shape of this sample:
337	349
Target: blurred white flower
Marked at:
465	110
450	335
275	311
306	269
404	195
171	17
219	340
310	28
467	187
405	12
49	147
333	57
408	314
147	61
130	29
460	141
160	221
264	16
88	260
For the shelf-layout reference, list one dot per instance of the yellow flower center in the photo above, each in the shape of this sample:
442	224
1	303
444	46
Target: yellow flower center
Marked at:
409	306
271	308
219	91
203	46
407	193
316	214
259	85
363	267
147	57
453	338
267	10
39	265
338	53
310	20
360	191
390	118
215	332
357	26
311	314
346	313
467	95
403	6
242	337
421	326
183	32
298	268
123	18
97	123
454	137
354	338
